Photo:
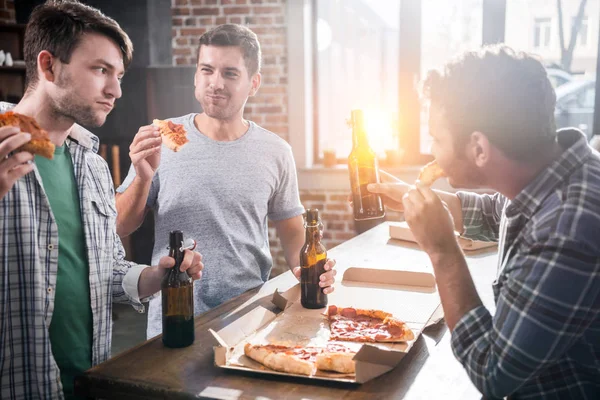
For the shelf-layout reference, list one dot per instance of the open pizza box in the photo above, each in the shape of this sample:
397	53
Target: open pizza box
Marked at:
409	295
401	231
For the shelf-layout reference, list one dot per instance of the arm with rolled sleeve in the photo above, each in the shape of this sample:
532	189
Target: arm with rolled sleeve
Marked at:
536	320
126	275
481	215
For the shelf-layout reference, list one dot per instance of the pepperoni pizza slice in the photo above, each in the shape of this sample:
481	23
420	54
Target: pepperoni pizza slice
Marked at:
173	135
358	325
303	360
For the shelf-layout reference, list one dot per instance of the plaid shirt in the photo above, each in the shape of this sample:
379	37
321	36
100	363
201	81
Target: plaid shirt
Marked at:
29	257
544	339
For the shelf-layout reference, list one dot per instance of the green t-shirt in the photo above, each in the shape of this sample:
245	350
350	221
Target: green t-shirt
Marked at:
71	326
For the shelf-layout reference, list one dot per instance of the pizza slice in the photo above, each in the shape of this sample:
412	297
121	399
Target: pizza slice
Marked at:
304	360
293	360
337	358
431	173
40	143
174	136
358	325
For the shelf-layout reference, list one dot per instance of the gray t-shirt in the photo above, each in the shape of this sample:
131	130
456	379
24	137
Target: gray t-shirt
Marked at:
221	193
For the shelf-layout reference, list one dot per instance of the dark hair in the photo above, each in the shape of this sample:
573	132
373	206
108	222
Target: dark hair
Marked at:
58	25
503	94
235	35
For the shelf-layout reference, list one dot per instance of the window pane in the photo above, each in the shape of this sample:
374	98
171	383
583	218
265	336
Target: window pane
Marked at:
357	67
572	73
449	28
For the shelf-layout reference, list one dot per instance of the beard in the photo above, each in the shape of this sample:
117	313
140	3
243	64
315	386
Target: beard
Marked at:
71	106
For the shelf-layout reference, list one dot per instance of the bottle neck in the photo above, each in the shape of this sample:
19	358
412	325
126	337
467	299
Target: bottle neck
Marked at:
313	233
359	138
178	256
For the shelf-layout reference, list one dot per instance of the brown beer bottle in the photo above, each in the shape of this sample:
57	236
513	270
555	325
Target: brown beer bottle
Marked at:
312	262
177	299
362	165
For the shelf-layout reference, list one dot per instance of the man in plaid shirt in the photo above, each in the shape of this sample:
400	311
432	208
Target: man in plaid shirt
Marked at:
61	259
492	121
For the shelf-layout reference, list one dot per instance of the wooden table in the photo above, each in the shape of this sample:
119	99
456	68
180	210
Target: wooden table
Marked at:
429	371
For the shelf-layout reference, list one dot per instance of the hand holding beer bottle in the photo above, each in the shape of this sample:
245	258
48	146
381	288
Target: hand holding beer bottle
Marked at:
363	168
177	299
313	257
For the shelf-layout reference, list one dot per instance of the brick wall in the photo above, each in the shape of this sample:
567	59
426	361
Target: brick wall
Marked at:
7	12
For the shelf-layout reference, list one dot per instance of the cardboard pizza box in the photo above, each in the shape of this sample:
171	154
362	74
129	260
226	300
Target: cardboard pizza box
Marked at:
410	295
401	231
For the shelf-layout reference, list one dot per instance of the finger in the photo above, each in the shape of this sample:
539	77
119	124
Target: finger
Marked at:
297	271
327	283
427	193
385	177
196	270
12	143
329	290
7	131
166	262
328	275
146	144
408	206
17	172
135	158
15	160
145	132
188	260
196	276
197	260
330	264
415	196
381	188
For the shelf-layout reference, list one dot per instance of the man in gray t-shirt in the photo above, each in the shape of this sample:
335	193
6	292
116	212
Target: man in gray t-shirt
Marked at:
222	187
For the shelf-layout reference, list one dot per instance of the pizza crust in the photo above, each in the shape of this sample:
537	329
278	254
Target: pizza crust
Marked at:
173	135
430	173
279	360
337	362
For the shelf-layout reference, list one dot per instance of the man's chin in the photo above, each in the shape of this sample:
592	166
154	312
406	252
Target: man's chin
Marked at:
94	122
457	184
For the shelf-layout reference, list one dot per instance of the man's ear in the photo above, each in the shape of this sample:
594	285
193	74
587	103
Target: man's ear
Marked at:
46	64
256	79
479	149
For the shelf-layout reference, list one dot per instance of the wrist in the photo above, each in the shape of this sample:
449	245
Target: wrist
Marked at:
450	255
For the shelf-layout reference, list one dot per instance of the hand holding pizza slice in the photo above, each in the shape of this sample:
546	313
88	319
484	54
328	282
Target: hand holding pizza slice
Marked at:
173	135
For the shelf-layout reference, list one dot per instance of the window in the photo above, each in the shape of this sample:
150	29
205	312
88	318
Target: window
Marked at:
356	67
366	52
572	72
582	39
449	28
542	31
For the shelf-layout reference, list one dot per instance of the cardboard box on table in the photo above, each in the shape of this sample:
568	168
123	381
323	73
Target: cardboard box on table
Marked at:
409	295
401	231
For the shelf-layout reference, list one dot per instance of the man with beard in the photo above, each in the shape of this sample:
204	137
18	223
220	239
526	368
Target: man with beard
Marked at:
61	259
224	184
492	122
